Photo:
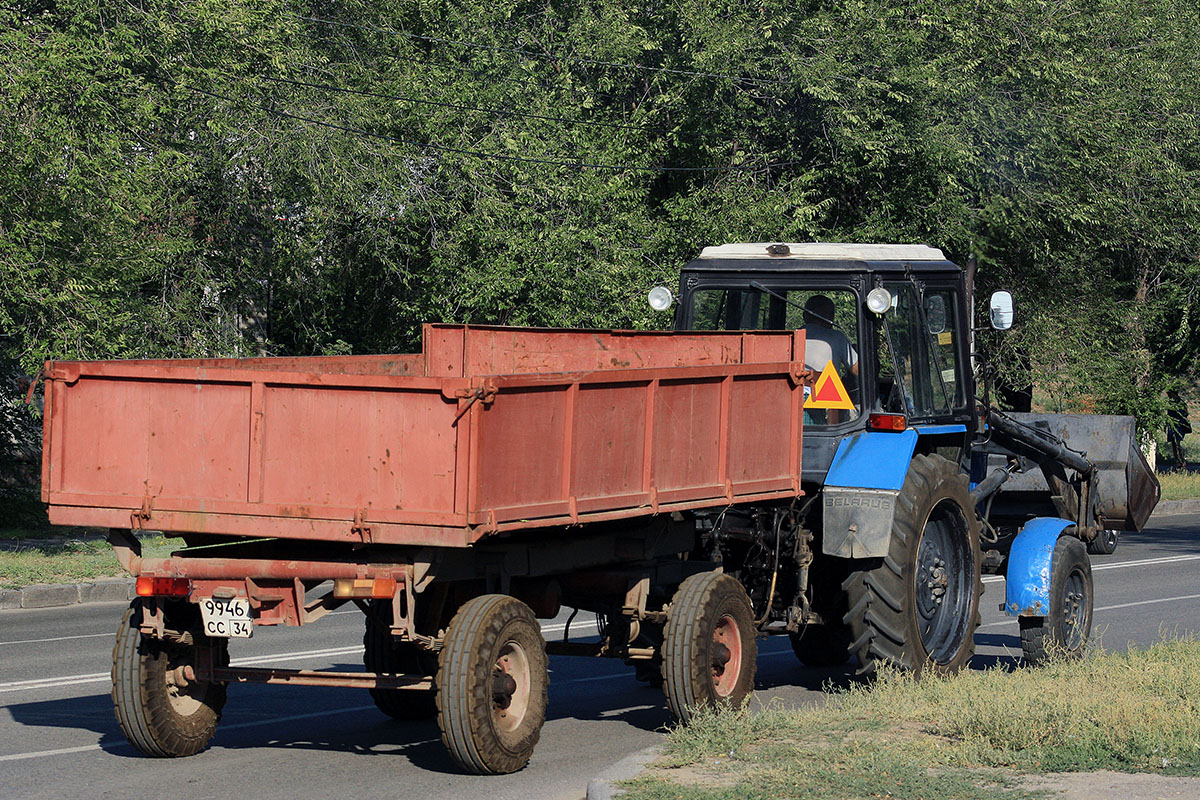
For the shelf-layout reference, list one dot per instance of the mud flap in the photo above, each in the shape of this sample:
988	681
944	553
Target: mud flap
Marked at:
1027	579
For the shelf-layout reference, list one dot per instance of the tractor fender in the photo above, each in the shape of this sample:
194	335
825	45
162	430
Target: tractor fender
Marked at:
860	491
1027	579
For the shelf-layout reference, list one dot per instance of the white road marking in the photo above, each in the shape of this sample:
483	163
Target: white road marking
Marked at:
1145	561
1097	609
1119	565
58	638
257	723
276	658
60	752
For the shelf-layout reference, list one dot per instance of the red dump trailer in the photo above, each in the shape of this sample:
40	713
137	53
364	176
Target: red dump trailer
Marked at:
454	496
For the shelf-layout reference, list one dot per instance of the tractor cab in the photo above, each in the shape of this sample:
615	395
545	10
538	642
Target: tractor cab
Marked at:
887	327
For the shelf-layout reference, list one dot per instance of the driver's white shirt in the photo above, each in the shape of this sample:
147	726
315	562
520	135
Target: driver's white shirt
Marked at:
822	345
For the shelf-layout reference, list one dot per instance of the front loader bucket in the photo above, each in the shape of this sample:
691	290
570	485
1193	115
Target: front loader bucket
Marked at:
1127	487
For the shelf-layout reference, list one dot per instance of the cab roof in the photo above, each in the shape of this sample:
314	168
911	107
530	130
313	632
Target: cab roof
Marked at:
790	256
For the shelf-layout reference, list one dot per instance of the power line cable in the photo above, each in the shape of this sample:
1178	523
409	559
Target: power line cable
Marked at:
578	164
541	56
460	106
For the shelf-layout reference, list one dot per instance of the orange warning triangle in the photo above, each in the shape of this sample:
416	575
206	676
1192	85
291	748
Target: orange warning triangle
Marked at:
829	391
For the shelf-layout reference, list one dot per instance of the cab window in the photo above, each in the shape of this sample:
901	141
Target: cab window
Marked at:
827	316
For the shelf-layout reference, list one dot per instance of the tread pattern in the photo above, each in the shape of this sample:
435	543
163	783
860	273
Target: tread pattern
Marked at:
883	627
701	600
141	697
464	702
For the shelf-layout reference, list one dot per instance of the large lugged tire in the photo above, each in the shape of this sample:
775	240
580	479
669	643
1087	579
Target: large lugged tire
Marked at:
492	685
918	608
158	714
383	652
1066	629
710	645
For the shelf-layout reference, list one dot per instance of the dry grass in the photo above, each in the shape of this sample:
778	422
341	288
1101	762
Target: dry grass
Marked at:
965	736
1179	485
69	560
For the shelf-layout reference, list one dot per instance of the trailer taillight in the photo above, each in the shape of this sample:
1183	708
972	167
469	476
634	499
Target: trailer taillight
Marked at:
894	423
378	588
149	586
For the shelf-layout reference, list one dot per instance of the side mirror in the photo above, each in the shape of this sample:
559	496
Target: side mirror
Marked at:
1002	310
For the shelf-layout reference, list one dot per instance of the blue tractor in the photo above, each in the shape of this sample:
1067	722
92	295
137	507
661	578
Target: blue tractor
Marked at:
914	485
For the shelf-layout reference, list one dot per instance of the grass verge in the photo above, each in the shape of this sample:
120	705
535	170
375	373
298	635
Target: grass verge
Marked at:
69	560
1179	485
973	735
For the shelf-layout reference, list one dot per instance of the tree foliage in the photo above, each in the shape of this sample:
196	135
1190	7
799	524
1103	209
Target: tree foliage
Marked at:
220	177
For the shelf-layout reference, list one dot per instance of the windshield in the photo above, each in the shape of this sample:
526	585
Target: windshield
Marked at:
828	317
920	353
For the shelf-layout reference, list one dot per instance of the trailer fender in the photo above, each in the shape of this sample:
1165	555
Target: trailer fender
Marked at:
1027	579
859	496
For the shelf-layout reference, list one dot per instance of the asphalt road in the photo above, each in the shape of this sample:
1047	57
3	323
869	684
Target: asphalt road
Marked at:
58	736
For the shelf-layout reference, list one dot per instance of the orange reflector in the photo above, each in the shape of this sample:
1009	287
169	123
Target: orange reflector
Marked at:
380	588
148	586
887	422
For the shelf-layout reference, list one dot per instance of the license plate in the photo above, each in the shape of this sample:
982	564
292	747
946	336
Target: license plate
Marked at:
228	618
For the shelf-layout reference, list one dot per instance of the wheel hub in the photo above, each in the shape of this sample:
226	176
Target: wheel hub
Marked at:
942	584
725	656
510	687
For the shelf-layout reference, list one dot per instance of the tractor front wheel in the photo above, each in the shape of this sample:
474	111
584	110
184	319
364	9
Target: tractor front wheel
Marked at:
1066	628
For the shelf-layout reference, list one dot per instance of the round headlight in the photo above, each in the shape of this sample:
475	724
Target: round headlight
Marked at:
660	298
879	300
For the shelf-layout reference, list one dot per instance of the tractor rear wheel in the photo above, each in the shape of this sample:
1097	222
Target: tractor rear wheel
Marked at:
918	607
710	645
1065	630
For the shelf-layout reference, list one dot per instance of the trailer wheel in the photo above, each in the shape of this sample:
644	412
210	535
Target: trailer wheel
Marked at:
160	712
383	652
1065	630
492	691
710	646
1105	543
918	607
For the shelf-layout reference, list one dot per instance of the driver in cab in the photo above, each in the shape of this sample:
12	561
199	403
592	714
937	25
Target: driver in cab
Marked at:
823	344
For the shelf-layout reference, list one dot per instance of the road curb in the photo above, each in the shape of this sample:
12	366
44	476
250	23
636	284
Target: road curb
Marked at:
55	595
1177	507
604	786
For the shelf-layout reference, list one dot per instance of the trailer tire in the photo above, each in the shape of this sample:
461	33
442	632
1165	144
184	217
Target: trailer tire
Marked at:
1064	631
710	645
493	681
1105	543
383	652
917	608
159	716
